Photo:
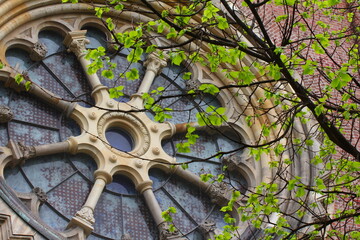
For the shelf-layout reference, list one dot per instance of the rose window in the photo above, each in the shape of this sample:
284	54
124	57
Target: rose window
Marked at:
81	162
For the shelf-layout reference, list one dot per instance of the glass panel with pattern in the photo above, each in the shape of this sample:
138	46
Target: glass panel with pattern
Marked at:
67	179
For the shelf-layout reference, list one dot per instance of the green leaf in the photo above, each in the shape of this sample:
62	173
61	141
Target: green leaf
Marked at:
110	24
206	177
19	78
222	23
300	192
317	48
177	57
27	85
108	74
116	92
280	18
209	88
135	55
187	76
319	109
133	74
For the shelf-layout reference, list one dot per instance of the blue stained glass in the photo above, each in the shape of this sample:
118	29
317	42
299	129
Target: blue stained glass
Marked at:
97	38
69	128
108	216
53	219
85	165
190	198
229	141
138	221
3	135
27	109
31	135
4	94
69	196
16	180
130	87
181	218
52	40
119	139
122	185
18	58
158	177
48	171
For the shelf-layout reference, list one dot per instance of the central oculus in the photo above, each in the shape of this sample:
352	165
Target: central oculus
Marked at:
119	139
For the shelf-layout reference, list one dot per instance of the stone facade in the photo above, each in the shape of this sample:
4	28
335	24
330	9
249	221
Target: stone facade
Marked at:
20	25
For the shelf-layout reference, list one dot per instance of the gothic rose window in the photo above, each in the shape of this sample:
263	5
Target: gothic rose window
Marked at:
103	165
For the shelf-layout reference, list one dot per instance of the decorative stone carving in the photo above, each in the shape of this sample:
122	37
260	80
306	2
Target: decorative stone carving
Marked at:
40	194
38	52
156	63
165	233
76	42
5	114
126	237
192	84
219	193
20	152
87	215
27	151
207	228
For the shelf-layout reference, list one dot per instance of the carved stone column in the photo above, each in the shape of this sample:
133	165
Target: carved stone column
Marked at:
153	206
76	42
41	93
154	65
155	211
22	152
84	218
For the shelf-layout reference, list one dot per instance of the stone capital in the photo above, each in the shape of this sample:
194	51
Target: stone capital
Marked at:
76	42
219	193
208	228
155	62
166	234
20	152
38	52
84	219
5	114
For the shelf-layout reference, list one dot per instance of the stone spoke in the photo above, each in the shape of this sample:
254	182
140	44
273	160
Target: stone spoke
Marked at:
84	218
154	65
76	42
16	153
41	93
219	193
156	211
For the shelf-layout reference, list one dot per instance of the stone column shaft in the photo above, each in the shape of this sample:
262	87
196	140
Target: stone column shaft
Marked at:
53	148
153	206
84	218
76	42
95	193
154	65
146	82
